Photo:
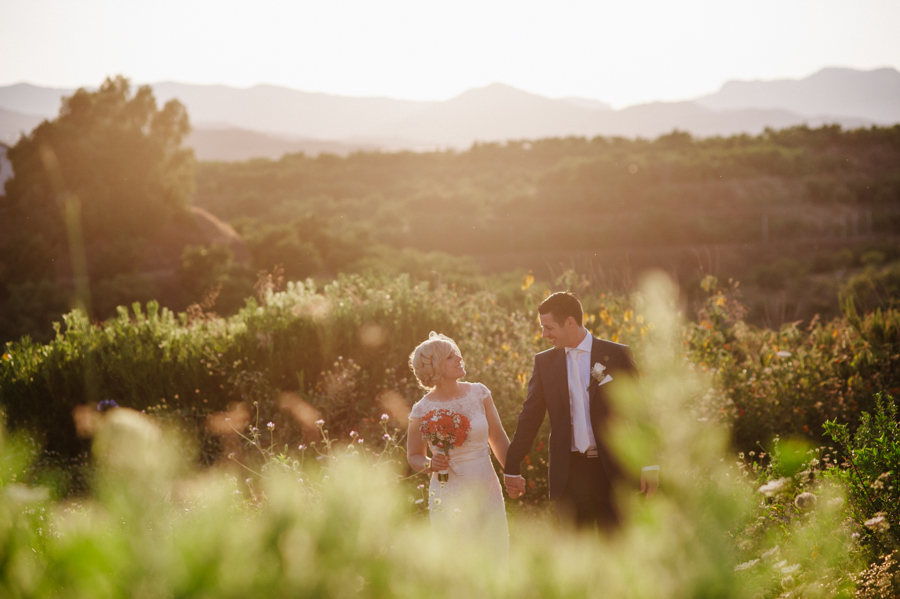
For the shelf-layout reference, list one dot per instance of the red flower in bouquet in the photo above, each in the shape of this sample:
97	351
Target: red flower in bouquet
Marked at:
445	428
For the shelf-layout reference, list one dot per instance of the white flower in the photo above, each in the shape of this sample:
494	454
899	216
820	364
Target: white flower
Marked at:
384	417
597	371
774	487
878	523
271	426
788	570
746	565
783	354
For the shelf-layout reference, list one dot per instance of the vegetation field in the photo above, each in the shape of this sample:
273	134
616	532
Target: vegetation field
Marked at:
235	425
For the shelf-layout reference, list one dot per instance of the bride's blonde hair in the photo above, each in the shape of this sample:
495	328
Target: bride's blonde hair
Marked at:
427	360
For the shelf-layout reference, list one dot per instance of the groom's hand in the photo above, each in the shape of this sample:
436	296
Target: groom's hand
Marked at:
515	486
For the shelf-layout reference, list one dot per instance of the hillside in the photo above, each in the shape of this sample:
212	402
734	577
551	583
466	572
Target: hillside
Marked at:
872	95
287	120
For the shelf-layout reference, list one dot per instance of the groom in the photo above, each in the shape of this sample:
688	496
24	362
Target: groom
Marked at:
571	383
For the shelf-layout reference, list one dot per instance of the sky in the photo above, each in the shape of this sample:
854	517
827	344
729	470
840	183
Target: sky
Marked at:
624	52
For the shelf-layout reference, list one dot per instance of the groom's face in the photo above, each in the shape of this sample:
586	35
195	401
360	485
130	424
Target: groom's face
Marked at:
558	335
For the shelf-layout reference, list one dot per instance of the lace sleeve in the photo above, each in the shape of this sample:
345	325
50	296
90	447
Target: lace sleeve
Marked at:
484	390
482	393
418	410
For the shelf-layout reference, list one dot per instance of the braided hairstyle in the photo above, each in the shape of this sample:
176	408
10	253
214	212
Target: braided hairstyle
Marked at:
427	360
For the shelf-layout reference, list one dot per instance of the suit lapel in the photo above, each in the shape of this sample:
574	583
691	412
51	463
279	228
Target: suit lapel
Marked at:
594	386
599	408
560	374
596	393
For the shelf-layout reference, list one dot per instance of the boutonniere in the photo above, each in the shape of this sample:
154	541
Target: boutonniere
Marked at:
598	372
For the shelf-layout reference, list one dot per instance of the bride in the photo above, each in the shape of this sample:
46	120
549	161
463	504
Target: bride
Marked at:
471	501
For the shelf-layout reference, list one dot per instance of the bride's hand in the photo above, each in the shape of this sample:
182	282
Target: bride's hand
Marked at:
439	462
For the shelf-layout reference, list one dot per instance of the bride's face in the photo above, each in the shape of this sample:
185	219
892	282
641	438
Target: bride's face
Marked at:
454	367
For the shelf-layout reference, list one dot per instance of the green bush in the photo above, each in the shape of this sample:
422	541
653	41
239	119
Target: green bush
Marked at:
874	289
872	465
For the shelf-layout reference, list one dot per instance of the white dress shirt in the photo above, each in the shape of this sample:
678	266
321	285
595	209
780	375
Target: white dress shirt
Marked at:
578	366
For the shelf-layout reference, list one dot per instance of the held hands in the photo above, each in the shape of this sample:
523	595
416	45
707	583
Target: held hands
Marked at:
515	486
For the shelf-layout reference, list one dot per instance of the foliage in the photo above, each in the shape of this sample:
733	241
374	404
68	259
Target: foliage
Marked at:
872	456
798	504
875	287
789	382
572	193
100	180
348	524
116	151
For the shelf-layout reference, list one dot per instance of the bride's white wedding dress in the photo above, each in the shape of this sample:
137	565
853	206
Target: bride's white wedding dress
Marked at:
471	501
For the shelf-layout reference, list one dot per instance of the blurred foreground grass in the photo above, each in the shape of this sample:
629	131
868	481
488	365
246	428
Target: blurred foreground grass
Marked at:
344	525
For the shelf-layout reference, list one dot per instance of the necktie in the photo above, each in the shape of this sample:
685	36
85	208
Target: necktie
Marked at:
579	402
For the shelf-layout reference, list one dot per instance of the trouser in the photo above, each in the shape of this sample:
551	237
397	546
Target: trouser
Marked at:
588	500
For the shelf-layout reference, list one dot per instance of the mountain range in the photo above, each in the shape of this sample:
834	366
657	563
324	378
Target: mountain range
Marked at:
269	121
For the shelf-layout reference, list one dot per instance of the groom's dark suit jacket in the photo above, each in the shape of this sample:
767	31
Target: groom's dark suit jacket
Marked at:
548	393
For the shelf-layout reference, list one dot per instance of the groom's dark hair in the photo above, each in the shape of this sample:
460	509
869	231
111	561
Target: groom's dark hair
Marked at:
562	305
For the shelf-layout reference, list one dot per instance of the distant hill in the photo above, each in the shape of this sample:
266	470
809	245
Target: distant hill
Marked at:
868	95
268	121
13	124
33	99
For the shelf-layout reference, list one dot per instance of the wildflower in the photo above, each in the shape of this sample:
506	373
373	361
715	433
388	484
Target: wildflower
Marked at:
271	426
783	354
302	447
788	570
386	437
746	565
384	417
771	552
360	440
878	523
805	501
231	456
422	486
774	487
320	422
106	405
353	434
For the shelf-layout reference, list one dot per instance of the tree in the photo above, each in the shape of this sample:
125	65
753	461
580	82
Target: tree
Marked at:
117	153
99	180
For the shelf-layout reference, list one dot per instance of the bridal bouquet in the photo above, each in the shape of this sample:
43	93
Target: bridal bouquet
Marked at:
445	428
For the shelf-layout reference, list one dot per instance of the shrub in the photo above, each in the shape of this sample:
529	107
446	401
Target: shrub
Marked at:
872	464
